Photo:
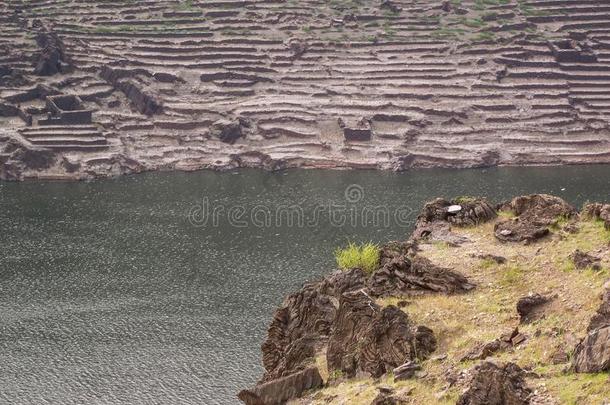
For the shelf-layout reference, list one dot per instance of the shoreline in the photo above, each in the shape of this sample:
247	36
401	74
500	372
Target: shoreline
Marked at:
83	177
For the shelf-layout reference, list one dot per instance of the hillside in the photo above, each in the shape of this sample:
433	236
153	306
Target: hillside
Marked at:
476	319
387	84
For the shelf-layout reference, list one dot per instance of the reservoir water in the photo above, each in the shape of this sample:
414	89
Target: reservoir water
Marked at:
158	288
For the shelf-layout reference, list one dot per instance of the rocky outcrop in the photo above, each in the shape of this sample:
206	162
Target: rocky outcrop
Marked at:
496	384
373	340
531	307
534	214
597	211
303	322
281	390
583	260
463	211
436	218
504	342
52	58
592	354
602	317
403	275
406	371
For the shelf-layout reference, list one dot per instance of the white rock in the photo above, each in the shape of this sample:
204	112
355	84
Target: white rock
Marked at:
454	208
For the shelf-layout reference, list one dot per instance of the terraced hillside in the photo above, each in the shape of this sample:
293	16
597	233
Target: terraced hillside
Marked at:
302	83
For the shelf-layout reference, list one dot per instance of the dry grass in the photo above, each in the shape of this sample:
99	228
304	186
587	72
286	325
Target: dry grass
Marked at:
461	321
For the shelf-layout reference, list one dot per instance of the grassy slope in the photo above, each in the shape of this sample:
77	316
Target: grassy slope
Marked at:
461	321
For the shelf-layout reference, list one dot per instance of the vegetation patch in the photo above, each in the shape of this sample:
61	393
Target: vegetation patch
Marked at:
364	256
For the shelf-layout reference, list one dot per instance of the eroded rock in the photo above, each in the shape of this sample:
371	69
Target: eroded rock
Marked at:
530	307
436	218
496	384
303	322
373	340
282	389
504	342
592	354
598	211
465	211
403	275
583	260
406	371
602	317
535	213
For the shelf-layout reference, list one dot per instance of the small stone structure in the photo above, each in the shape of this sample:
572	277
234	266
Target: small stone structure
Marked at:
66	110
572	51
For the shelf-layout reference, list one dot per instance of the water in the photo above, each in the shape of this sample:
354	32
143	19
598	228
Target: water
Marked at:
110	294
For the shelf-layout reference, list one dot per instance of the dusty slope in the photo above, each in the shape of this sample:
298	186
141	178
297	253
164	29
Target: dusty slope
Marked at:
433	83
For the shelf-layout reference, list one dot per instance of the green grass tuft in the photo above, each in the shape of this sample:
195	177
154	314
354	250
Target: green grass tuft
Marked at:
364	256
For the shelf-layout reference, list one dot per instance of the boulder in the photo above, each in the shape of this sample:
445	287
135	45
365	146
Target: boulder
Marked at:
496	384
583	260
373	340
602	317
516	230
597	211
530	307
387	396
592	354
436	218
535	213
282	389
406	371
403	275
472	211
303	322
542	208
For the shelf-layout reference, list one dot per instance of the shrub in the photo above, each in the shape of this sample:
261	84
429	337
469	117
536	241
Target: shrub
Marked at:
364	256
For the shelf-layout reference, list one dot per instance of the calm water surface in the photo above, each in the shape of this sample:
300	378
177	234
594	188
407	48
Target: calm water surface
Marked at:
109	294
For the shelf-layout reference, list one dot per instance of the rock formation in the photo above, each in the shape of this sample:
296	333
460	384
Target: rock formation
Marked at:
534	214
285	388
592	354
496	384
583	260
504	342
598	211
374	340
602	317
303	323
436	218
404	275
530	307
